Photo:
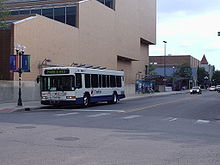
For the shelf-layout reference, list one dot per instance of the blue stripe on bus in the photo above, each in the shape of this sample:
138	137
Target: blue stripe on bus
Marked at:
99	98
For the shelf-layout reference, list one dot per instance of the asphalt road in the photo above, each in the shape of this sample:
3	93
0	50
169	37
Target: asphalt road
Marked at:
179	129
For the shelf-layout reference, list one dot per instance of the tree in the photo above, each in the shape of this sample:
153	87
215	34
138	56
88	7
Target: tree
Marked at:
216	77
151	69
201	74
3	14
183	71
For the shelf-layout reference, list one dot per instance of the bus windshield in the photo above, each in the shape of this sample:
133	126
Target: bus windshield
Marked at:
58	83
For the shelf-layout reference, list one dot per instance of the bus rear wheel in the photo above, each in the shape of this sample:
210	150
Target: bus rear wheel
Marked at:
114	99
86	101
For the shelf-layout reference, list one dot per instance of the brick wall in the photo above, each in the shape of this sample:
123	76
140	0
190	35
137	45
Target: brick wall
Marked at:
6	48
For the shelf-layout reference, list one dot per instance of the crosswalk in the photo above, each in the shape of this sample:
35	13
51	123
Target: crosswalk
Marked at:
124	116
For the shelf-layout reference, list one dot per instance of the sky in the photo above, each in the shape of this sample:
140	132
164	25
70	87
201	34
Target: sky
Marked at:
190	27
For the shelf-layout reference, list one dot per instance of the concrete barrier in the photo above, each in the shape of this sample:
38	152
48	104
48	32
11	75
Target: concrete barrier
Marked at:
9	91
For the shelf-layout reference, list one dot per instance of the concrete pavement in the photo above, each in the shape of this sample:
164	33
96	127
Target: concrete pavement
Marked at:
31	105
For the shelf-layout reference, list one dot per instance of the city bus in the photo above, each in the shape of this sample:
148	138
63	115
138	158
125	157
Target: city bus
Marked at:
79	85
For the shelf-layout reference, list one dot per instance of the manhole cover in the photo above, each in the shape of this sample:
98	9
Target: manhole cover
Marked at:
25	127
67	138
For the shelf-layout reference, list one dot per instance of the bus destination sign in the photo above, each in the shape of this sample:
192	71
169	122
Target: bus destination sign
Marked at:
57	71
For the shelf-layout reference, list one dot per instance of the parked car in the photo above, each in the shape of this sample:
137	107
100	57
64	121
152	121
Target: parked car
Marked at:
212	88
218	88
196	89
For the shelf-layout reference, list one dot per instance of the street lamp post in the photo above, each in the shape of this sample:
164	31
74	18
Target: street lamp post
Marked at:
173	78
19	52
165	42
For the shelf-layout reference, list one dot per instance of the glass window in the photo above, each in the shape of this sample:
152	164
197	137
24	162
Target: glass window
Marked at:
58	83
100	81
59	14
112	81
94	80
87	81
23	12
78	80
36	11
14	12
102	1
108	81
71	16
109	3
118	81
48	13
104	81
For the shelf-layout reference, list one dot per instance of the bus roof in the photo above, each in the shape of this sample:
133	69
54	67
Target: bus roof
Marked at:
72	70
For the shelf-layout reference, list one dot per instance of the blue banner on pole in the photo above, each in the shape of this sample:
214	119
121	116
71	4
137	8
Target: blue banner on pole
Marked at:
25	63
15	63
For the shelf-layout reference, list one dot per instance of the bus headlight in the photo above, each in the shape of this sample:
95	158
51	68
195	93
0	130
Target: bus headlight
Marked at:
44	97
71	97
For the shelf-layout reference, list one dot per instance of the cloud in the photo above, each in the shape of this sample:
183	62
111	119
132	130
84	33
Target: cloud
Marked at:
188	33
189	6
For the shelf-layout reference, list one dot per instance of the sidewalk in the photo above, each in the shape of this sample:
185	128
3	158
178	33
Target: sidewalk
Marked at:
31	105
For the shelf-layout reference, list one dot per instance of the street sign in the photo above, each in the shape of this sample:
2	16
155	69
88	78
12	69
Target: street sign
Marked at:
14	63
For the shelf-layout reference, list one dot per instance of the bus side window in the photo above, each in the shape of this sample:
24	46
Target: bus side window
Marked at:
94	80
104	81
108	81
118	81
87	81
100	81
78	80
112	81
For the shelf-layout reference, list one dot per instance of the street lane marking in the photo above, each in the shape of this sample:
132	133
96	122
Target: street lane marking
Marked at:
99	115
202	121
156	105
91	110
131	117
66	114
173	119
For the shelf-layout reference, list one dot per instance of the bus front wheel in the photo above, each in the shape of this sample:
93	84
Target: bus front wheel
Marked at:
86	101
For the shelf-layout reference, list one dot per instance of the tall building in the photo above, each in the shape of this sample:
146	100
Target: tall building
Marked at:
112	33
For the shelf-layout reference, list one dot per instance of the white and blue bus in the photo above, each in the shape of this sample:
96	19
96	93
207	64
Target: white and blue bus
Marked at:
78	85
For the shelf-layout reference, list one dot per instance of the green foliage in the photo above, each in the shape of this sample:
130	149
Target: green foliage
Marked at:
3	14
201	73
183	71
216	77
151	69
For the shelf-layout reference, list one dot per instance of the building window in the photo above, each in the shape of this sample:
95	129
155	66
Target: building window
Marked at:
48	13
65	15
59	14
71	16
14	13
36	11
23	12
109	3
102	1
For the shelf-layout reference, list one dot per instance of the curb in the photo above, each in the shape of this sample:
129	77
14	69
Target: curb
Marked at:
153	95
